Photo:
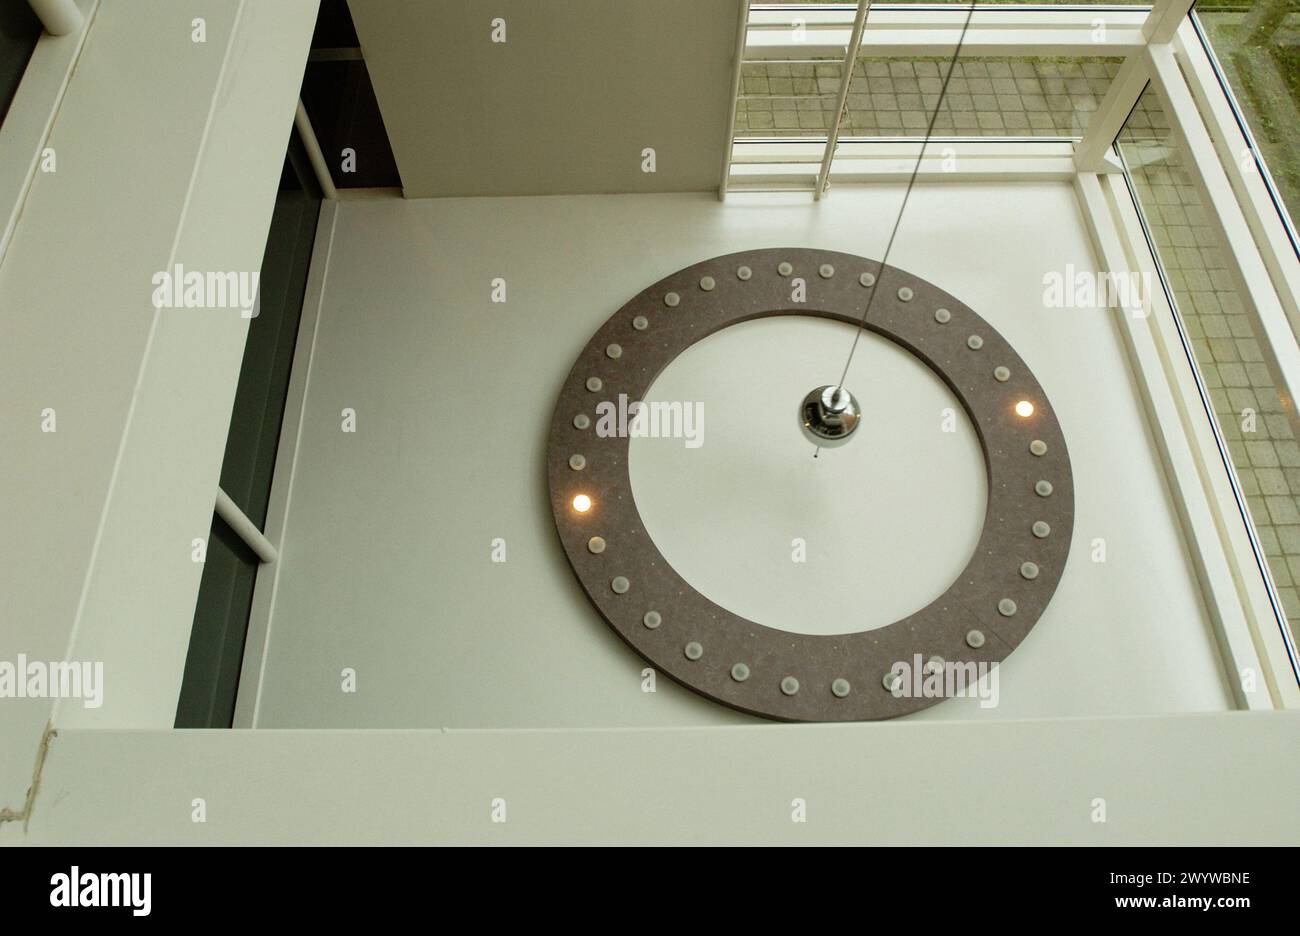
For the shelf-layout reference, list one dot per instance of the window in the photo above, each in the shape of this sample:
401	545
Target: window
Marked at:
216	650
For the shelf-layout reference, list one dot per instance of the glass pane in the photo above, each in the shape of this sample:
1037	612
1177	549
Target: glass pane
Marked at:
216	652
819	3
1017	97
268	353
212	666
986	97
1258	425
788	98
1257	43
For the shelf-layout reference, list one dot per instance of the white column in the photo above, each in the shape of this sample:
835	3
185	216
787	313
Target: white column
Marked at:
1111	114
1164	19
738	66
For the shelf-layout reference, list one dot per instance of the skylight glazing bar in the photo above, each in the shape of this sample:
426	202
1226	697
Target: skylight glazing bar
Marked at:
742	36
846	77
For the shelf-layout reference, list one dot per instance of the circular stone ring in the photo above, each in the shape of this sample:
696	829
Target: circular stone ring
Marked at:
980	619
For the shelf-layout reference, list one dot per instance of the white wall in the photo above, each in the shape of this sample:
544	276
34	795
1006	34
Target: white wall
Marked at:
386	557
566	104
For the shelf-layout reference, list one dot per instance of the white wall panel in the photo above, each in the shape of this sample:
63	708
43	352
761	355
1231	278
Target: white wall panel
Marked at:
566	104
387	548
896	783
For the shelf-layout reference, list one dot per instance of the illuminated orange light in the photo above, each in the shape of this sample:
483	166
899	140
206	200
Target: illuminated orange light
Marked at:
1024	408
582	503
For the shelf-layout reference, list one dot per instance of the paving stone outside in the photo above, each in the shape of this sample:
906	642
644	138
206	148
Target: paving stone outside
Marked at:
960	3
897	97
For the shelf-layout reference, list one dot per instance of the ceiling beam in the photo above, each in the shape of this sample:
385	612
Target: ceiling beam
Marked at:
782	34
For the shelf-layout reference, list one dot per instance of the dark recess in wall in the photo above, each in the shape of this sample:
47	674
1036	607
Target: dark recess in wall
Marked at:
19	31
220	628
344	112
345	115
334	29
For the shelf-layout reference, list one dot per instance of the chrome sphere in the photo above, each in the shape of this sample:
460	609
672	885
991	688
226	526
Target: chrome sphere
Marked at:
828	416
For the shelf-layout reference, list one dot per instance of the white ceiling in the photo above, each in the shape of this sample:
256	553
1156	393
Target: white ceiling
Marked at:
566	105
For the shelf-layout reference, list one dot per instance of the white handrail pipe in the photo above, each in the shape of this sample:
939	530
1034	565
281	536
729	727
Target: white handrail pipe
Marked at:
59	17
312	145
850	59
244	528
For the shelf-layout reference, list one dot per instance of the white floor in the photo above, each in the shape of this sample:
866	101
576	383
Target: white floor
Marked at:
387	561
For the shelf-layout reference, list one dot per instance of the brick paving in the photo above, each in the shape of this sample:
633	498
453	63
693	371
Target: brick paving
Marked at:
895	97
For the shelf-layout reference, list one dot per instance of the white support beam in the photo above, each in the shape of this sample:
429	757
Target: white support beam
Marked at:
738	67
1225	213
793	165
903	31
1109	117
59	17
846	78
1165	18
1199	778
